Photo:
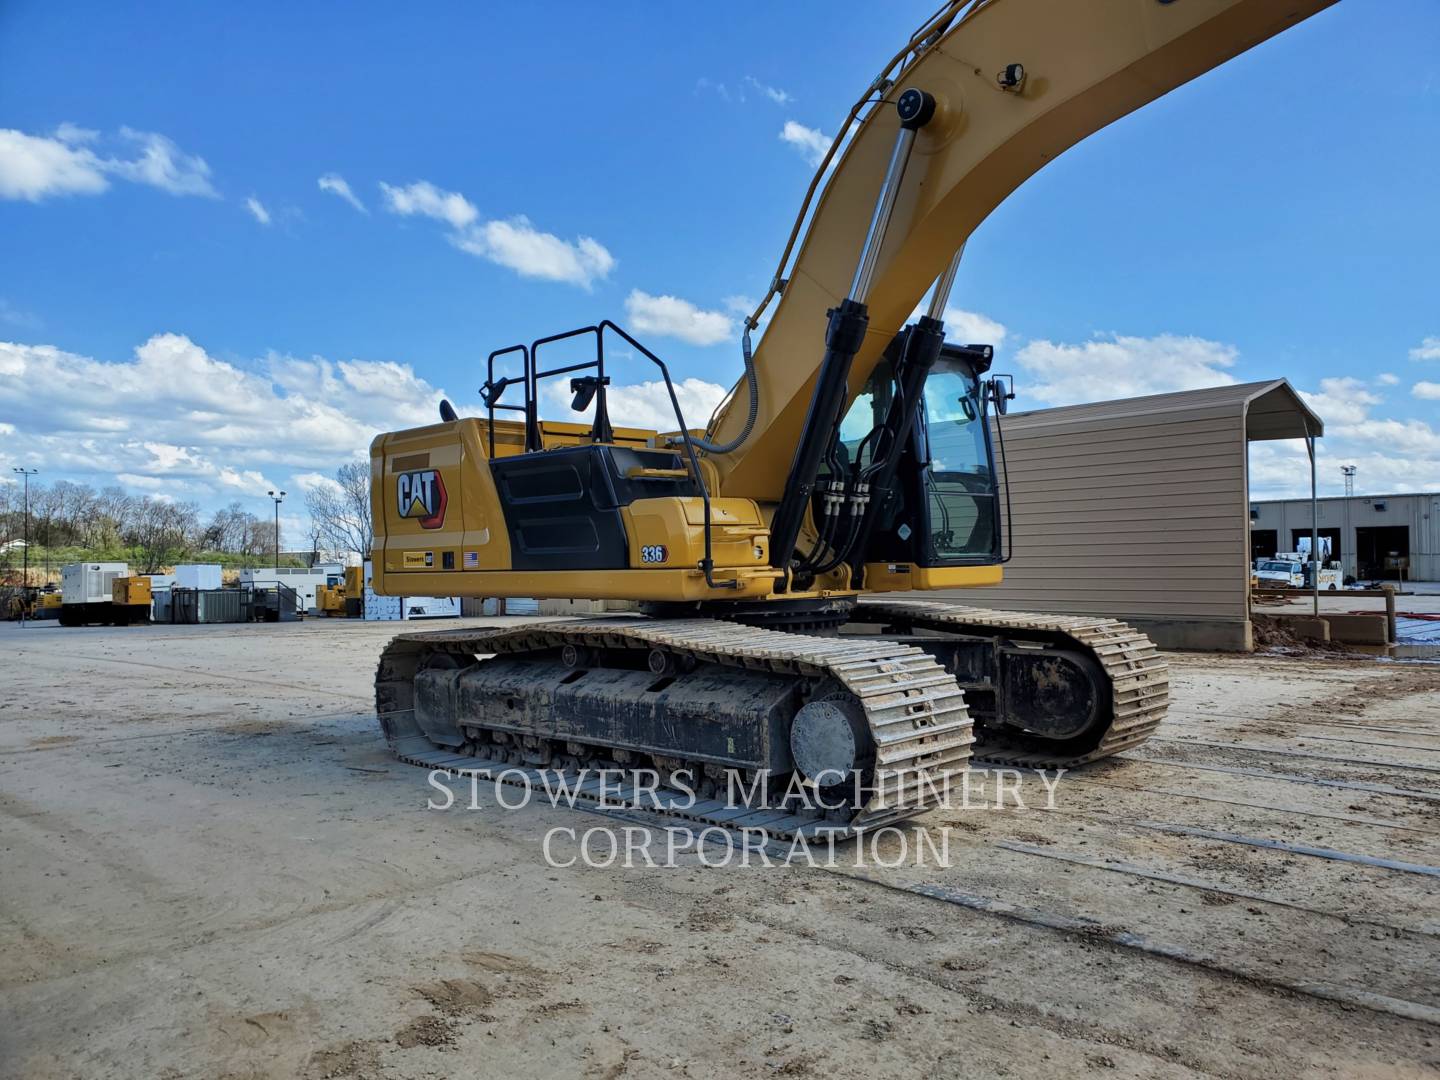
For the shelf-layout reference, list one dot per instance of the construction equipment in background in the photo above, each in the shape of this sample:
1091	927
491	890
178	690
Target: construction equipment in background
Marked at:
104	594
47	603
32	602
132	595
343	595
301	582
853	457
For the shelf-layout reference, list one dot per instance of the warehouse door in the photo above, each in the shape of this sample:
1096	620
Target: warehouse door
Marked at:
1382	551
1332	535
1262	544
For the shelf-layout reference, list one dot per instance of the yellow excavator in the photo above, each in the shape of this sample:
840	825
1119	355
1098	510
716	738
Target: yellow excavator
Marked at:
853	457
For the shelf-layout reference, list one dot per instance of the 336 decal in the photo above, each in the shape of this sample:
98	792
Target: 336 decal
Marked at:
653	553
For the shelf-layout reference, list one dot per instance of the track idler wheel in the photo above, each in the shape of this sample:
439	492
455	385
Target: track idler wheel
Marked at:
830	741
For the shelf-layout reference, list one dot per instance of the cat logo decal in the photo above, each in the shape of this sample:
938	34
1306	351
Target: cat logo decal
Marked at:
421	495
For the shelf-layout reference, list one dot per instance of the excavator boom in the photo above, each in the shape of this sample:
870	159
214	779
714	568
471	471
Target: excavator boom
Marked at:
1083	65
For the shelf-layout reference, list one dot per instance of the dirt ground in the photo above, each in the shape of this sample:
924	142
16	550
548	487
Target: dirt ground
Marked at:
210	867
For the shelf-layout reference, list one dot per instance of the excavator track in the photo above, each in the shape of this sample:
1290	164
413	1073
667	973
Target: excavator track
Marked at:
914	709
915	713
1139	679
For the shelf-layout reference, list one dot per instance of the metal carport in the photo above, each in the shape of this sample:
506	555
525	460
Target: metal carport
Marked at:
1139	509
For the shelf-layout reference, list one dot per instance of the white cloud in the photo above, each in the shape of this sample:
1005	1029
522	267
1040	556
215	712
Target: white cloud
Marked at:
1117	366
1429	349
812	143
774	93
514	242
424	198
34	167
1411	437
1385	378
725	93
257	210
1390	454
742	307
336	185
144	483
703	84
244	480
1427	391
972	328
15	316
174	418
74	133
164	165
1282	469
669	316
967	327
1341	400
642	405
518	245
309	481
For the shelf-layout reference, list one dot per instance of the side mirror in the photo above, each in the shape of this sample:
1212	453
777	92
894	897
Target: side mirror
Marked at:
1001	390
585	389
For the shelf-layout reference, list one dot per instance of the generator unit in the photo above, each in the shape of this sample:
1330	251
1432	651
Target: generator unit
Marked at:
305	581
103	593
133	595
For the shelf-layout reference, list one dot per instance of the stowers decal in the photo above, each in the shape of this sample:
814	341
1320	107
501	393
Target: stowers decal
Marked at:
421	495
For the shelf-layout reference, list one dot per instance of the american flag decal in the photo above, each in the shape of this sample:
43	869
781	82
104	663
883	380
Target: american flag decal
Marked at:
472	560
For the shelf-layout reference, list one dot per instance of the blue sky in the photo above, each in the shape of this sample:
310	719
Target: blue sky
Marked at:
189	310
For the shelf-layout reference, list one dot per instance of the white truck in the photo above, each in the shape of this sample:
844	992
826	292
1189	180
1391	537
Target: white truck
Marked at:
1293	572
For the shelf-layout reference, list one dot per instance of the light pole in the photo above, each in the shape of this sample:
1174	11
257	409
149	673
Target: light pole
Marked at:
25	552
279	497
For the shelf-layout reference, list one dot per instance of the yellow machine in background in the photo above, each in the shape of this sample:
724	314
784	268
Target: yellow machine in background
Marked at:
132	599
131	592
854	457
343	595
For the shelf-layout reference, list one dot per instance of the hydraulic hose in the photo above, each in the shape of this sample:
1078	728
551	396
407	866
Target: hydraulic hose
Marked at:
753	385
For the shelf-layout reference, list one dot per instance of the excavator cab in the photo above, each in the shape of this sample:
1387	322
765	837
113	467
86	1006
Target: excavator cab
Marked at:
943	508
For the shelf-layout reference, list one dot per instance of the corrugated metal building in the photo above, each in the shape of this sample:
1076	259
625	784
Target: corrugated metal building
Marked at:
1373	536
1139	509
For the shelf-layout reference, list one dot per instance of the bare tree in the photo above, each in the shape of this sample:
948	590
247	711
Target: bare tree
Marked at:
164	534
341	513
115	509
74	518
